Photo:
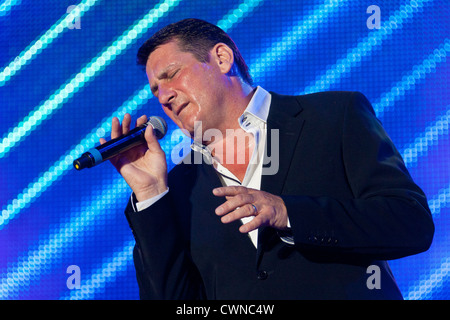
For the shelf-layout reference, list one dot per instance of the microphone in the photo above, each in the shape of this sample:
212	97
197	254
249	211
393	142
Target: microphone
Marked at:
121	144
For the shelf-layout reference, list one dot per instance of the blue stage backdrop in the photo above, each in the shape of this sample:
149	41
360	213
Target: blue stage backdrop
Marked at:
67	67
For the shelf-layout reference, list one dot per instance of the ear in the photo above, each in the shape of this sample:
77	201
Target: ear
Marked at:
223	56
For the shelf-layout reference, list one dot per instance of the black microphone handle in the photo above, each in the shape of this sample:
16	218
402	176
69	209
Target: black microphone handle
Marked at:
111	148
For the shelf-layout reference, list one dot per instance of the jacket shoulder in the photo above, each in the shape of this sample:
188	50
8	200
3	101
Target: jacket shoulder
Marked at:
331	98
328	101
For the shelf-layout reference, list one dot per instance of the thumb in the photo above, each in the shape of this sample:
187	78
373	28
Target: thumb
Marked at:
152	140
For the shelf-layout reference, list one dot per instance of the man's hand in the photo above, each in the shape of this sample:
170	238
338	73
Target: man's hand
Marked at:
268	209
143	167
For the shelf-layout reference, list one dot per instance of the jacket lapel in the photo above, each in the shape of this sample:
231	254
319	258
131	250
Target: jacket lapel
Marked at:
284	126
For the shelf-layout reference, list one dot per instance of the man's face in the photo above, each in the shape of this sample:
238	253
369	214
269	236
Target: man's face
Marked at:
187	89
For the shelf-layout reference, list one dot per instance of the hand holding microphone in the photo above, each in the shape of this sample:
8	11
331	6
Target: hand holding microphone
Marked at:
136	154
120	144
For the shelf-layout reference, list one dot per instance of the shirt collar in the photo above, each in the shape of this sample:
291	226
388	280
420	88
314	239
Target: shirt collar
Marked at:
253	116
258	107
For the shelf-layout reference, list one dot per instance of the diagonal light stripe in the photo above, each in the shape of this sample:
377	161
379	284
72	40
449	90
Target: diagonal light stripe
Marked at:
364	48
91	70
427	139
409	81
439	201
425	288
290	40
107	272
236	15
60	167
31	267
7	5
44	41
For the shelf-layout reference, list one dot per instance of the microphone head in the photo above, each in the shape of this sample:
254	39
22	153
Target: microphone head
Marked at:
159	126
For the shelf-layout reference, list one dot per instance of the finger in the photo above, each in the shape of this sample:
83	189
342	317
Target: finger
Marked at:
141	120
116	129
152	141
235	202
126	123
230	191
241	212
254	224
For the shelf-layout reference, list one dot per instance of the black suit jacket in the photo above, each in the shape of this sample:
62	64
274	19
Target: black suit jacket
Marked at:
350	201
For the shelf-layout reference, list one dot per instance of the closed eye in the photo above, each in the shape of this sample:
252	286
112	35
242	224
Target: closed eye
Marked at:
174	73
163	76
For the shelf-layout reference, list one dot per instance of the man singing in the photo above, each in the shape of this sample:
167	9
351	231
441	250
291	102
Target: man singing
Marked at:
340	201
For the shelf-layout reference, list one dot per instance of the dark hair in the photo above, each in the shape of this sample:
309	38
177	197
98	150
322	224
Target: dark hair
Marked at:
197	37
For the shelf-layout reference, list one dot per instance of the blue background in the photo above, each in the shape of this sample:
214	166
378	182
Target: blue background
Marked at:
63	77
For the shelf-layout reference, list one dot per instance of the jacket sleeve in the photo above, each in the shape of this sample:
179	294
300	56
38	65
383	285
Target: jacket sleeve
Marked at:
164	269
387	217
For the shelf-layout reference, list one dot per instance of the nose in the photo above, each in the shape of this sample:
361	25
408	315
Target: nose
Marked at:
166	95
